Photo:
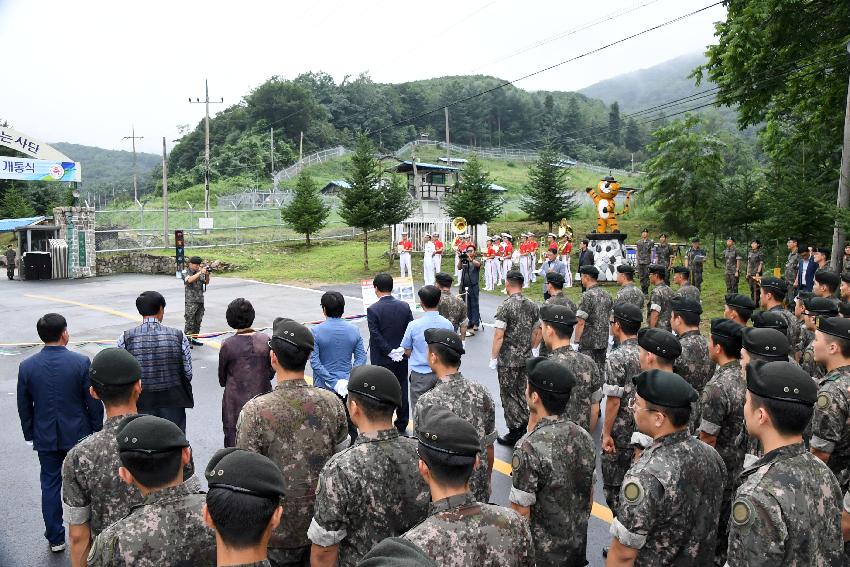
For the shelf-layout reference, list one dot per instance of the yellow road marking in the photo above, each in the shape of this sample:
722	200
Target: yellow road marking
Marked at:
85	305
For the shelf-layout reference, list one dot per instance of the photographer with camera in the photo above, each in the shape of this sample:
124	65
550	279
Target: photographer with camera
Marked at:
196	279
470	270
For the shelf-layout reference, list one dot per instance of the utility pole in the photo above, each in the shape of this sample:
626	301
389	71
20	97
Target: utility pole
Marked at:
164	194
133	138
271	141
448	151
301	148
206	102
838	235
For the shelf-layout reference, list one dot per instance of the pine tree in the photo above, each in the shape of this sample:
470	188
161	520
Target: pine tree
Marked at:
474	200
361	205
307	213
633	139
15	204
614	124
547	198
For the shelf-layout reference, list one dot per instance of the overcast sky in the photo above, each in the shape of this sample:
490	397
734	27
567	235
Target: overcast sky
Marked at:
85	72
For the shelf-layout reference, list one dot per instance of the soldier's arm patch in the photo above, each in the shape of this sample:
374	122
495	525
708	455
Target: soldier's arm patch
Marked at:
823	401
516	462
655	307
633	492
325	538
743	513
709	428
822	444
846	502
613	391
582	314
497	324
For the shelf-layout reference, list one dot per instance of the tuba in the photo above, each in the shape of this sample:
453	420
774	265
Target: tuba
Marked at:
458	225
565	229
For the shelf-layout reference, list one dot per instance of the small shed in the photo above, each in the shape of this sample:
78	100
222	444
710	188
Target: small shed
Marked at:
334	186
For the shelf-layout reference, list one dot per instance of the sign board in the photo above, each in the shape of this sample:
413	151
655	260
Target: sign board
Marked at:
18	141
205	223
402	289
24	169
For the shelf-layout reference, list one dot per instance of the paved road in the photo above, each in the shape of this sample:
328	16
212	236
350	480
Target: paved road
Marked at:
102	308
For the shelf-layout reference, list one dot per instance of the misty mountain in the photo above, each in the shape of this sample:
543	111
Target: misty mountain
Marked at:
103	169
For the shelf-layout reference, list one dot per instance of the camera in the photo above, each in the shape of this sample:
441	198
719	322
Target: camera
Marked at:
208	269
464	260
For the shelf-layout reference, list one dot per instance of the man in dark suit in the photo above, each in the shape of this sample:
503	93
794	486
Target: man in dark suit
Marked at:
585	257
56	411
806	271
388	319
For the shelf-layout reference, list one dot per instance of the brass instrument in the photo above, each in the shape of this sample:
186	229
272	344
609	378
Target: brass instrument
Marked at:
458	225
565	229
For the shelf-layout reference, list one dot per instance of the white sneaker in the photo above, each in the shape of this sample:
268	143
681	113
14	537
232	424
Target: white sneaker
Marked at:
58	548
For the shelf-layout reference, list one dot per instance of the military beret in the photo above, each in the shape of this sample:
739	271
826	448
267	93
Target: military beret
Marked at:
663	235
765	342
557	314
149	434
590	271
695	239
660	343
657	269
681	270
644	229
828	277
627	312
680	304
241	470
739	300
195	260
774	284
443	279
835	326
515	276
726	329
375	382
770	320
115	367
845	277
555	278
844	309
730	237
550	376
451	440
822	306
293	333
803	295
626	269
666	389
396	552
781	380
446	338
821	250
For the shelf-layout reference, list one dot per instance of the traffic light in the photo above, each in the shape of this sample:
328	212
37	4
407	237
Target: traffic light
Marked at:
178	248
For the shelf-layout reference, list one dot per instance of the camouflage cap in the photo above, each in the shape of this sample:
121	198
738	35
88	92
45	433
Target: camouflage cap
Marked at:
660	343
666	389
549	376
626	269
557	315
768	343
821	306
739	300
591	271
444	337
244	471
149	434
627	312
681	304
447	437
657	269
375	382
783	381
115	367
835	326
770	320
828	277
293	333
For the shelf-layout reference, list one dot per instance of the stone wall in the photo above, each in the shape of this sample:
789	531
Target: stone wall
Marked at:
142	263
76	227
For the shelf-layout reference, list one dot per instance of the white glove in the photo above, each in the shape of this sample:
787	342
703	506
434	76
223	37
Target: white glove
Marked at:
494	362
535	351
463	344
341	387
397	354
574	346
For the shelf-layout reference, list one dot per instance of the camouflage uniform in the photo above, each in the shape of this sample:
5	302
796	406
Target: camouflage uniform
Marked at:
470	401
695	267
722	415
663	253
670	502
622	365
659	301
695	366
630	293
595	309
730	263
460	532
557	299
367	492
644	258
553	474
786	512
755	258
791	268
452	308
299	427
807	362
793	331
806	338
588	388
167	528
830	429
690	292
517	316
194	305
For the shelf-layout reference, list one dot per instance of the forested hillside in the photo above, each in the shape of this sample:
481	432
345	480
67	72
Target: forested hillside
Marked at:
105	169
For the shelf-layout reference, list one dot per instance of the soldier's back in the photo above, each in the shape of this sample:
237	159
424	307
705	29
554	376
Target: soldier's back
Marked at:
830	427
621	366
690	292
517	316
722	415
630	293
561	299
452	308
694	364
660	300
596	306
588	388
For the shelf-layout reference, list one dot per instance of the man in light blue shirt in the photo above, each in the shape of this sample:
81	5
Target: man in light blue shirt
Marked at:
415	348
551	264
336	342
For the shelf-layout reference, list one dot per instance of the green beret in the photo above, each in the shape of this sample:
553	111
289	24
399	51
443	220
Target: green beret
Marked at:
768	343
396	552
557	315
770	320
293	333
195	260
628	312
375	382
774	285
446	338
549	376
828	277
741	301
660	343
835	326
665	389
446	437
626	269
115	367
149	434
555	278
783	381
658	269
241	470
589	270
681	270
680	304
822	306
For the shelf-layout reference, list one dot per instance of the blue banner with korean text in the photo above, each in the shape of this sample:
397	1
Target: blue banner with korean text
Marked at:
24	169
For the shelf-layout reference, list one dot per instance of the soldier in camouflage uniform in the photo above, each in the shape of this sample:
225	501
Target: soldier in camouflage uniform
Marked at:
557	327
594	313
815	307
299	427
658	310
792	266
670	500
195	283
451	306
721	408
739	308
731	265
694	364
644	258
552	469
755	266
681	276
622	365
465	398
167	528
786	509
664	254
460	531
772	295
694	260
555	287
845	260
515	322
373	489
629	292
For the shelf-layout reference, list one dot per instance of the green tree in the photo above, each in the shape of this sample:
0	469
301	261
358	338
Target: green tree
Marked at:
361	204
398	204
473	198
633	139
547	198
15	204
614	124
307	213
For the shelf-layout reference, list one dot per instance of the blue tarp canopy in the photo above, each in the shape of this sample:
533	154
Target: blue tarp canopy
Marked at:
8	225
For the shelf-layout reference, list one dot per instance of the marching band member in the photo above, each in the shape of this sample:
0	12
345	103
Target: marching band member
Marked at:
405	246
438	253
428	261
532	256
566	248
523	257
